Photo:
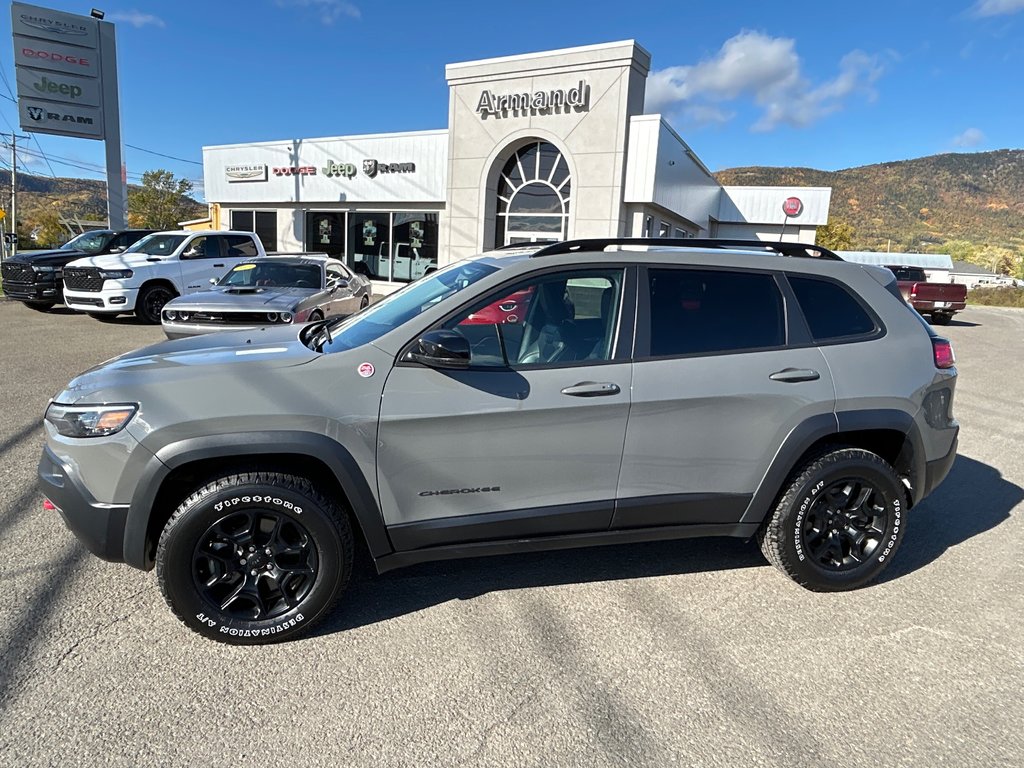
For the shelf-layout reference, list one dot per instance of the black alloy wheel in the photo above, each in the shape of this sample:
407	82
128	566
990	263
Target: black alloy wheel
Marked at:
255	565
255	557
838	521
846	525
151	302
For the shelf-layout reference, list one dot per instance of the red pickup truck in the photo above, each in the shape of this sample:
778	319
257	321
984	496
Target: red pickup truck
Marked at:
940	300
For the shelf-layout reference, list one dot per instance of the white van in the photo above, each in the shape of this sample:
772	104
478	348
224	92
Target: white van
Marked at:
153	271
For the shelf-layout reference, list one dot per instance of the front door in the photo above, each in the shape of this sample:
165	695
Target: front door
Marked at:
528	441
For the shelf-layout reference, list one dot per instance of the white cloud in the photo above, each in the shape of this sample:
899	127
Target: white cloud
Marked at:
768	70
972	137
136	19
997	7
329	11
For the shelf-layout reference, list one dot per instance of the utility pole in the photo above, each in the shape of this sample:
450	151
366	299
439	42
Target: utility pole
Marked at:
14	191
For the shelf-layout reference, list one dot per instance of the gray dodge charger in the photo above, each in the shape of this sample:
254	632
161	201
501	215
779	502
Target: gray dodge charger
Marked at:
269	291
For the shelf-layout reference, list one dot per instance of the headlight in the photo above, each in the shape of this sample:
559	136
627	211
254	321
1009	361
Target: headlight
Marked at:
272	317
115	274
89	420
170	314
184	316
286	317
43	268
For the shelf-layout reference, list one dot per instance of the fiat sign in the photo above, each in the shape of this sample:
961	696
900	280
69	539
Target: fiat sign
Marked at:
792	206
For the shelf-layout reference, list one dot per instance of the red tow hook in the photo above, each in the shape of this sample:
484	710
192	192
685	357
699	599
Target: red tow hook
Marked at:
49	506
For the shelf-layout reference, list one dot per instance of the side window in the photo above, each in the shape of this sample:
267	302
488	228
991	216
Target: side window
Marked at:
831	311
556	319
240	247
334	275
697	312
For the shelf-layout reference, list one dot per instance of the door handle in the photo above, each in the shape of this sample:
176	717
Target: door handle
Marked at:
218	265
794	375
592	389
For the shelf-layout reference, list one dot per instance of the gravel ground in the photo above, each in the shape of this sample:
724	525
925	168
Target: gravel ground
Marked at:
689	653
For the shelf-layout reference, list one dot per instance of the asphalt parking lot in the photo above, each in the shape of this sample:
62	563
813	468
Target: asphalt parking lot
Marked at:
680	653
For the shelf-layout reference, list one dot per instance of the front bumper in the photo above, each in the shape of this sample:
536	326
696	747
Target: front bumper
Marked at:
99	526
115	301
178	330
33	291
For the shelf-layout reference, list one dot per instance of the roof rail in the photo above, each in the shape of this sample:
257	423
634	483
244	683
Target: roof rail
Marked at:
796	250
518	246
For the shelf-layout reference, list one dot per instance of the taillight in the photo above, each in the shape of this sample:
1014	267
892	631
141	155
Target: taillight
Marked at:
942	350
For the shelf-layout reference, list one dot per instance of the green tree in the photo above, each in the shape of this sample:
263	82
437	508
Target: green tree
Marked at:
836	236
161	202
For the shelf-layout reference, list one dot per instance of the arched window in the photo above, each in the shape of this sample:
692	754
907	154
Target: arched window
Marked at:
533	196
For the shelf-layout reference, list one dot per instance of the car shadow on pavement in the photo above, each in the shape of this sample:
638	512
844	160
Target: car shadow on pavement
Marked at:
964	323
973	499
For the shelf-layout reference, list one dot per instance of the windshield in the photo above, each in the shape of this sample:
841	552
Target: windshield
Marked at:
89	242
400	307
277	274
157	245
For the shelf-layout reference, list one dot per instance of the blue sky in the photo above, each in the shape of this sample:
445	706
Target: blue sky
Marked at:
817	84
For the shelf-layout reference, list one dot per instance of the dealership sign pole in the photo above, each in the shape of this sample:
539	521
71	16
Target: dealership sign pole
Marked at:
66	68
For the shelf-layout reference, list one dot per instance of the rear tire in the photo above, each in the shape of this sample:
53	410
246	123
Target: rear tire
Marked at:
941	318
364	302
838	522
151	301
40	306
255	557
315	315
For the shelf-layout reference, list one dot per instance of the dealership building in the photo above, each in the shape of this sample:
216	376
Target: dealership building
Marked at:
543	146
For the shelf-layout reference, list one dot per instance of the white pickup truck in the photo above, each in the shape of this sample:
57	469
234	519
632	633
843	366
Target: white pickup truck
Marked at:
153	271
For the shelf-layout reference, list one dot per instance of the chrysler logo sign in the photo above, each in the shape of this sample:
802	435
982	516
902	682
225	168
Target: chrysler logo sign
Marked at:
54	26
539	102
246	172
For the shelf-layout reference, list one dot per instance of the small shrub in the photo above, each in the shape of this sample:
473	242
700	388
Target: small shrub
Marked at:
1003	296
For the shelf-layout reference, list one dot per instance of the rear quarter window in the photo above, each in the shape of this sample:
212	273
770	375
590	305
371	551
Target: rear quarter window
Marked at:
831	310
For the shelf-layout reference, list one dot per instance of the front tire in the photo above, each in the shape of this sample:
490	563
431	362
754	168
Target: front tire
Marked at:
254	558
40	306
838	522
150	303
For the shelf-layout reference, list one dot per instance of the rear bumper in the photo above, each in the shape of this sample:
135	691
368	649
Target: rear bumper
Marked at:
938	306
935	471
99	526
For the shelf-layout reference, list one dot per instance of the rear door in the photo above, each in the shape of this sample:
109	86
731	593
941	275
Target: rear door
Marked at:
716	389
528	441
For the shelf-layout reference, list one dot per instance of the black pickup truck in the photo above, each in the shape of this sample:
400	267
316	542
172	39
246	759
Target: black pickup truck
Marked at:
36	277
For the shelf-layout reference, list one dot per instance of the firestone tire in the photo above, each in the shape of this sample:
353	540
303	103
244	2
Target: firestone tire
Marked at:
254	558
40	306
838	523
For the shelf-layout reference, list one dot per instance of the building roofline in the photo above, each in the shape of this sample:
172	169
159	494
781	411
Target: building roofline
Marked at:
535	54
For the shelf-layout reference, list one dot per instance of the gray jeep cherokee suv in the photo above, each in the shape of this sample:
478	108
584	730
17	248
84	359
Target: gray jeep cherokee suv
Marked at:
645	389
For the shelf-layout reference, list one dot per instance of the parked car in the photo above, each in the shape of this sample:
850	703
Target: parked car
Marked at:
693	388
36	278
269	291
938	300
155	270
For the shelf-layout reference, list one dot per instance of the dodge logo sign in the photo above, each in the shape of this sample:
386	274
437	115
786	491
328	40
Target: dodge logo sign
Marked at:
792	206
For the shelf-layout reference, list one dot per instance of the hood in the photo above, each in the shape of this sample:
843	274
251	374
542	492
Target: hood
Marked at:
119	261
262	299
222	361
52	257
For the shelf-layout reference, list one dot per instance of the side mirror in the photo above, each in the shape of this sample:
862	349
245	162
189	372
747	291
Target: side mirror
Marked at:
441	349
213	281
117	249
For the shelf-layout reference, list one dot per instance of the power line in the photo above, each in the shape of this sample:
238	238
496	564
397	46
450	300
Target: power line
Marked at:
161	154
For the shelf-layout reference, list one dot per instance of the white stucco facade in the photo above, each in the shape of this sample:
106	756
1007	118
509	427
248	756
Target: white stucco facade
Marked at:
549	145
